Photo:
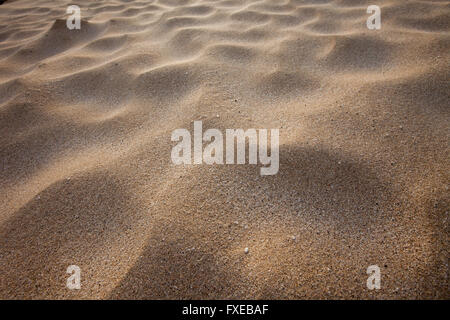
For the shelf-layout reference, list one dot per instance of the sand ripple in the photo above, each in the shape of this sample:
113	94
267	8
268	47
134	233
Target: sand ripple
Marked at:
86	177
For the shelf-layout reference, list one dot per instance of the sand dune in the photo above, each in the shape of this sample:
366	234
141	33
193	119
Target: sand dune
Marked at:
86	176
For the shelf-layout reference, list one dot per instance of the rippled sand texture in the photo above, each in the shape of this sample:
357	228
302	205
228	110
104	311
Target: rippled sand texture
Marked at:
86	175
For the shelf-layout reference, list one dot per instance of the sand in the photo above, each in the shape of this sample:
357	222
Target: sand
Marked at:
86	176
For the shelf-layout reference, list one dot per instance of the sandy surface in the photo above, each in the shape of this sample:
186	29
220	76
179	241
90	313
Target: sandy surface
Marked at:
86	176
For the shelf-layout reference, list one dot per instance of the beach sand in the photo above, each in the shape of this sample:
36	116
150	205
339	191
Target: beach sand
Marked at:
86	175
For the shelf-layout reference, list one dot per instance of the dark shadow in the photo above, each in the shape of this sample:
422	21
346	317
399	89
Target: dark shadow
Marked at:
175	265
190	254
31	140
69	222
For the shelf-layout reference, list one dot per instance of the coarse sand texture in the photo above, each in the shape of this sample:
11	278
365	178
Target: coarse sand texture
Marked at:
86	176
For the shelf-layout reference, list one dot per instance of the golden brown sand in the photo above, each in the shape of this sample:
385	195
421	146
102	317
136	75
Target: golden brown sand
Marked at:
86	176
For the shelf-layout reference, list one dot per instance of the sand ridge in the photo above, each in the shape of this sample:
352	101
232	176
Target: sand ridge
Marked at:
86	177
